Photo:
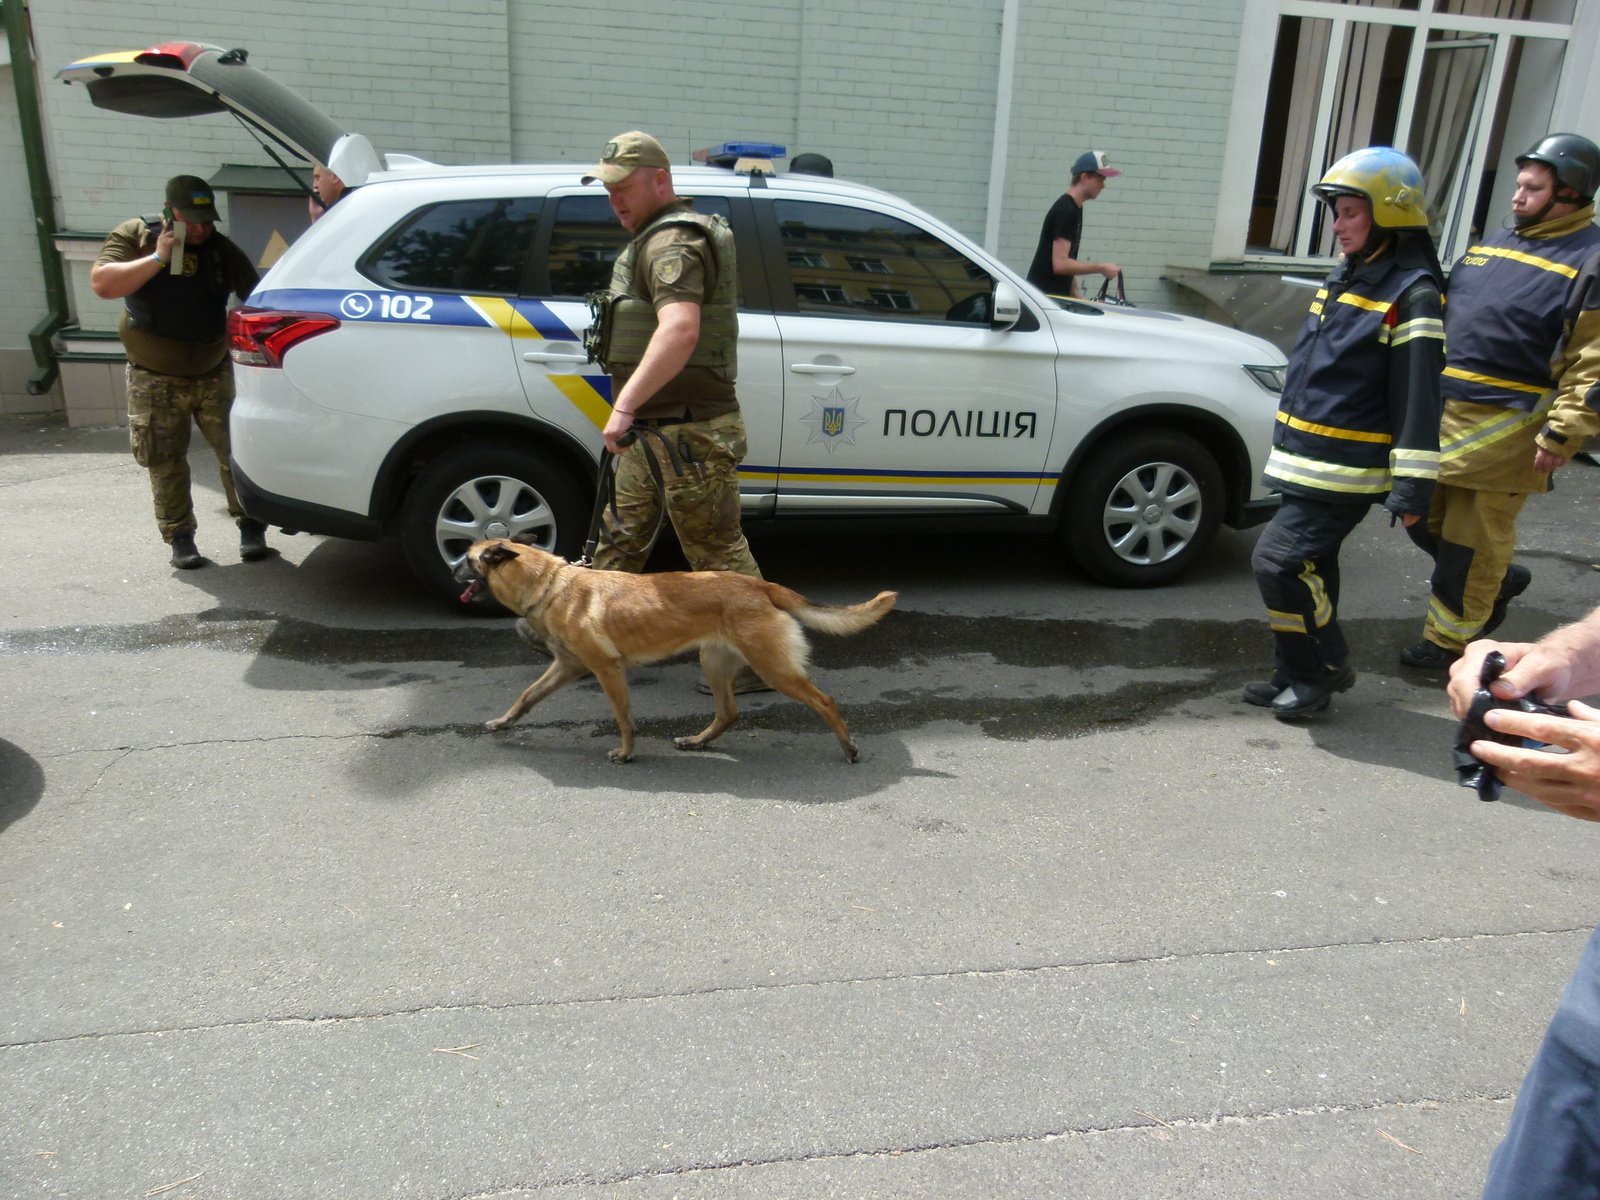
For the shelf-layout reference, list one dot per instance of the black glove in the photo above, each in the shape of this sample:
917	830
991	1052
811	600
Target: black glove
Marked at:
1473	772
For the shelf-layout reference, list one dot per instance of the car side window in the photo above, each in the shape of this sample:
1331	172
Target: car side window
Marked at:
859	263
479	246
586	239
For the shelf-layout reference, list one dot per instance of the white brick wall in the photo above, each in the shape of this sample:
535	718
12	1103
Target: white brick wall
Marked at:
1147	81
899	93
704	71
404	73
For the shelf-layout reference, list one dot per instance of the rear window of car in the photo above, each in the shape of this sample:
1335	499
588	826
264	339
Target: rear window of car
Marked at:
478	246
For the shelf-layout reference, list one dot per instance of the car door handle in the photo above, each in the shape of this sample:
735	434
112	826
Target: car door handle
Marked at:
546	356
821	369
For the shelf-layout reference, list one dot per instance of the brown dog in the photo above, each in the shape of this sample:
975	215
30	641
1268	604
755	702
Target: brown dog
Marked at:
602	622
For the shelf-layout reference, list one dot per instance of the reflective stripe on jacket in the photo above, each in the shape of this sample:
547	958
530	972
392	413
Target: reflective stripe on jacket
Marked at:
1505	310
1359	416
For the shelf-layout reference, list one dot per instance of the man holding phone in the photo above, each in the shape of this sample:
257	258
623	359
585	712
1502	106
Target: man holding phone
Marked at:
174	279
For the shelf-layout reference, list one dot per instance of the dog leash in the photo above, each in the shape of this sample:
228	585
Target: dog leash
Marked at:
606	491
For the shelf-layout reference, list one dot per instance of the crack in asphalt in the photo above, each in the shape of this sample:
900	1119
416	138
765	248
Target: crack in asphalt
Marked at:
1152	1125
993	972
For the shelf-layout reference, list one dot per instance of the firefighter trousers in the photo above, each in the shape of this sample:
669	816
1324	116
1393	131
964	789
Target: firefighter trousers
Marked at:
1296	564
1472	537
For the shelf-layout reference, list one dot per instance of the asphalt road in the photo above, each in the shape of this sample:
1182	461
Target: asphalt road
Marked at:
282	920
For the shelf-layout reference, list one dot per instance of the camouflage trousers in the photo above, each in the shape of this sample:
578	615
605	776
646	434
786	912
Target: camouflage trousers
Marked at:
702	495
160	411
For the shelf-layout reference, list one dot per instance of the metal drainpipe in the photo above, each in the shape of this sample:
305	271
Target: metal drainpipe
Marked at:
1000	151
44	218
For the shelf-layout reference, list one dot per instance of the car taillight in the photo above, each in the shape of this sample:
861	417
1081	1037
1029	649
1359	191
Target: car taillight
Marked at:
173	55
260	337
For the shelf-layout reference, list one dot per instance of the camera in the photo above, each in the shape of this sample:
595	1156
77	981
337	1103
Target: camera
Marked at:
1471	772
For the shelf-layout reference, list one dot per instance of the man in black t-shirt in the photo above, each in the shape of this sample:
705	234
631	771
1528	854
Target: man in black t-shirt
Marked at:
1058	261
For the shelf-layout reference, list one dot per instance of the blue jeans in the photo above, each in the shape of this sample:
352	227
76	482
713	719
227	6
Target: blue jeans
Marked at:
1552	1150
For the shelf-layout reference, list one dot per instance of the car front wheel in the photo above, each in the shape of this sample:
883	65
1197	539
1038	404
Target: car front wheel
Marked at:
1144	509
482	491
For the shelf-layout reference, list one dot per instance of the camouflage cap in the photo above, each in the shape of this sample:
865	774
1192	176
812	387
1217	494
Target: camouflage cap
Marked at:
625	154
192	199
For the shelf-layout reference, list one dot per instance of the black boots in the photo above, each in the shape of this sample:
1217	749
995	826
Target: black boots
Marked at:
252	546
253	540
184	554
1304	697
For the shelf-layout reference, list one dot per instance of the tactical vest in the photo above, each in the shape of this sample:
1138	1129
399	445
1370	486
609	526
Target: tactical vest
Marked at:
187	307
1506	311
625	321
1335	428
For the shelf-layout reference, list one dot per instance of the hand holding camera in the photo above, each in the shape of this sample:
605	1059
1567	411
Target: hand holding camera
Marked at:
1473	772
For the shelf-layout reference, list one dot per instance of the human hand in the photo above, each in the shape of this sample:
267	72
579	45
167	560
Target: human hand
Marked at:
165	242
1543	460
1530	668
617	426
1566	778
1407	520
1110	270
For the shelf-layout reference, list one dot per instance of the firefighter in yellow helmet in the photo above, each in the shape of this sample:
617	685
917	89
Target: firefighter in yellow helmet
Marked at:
1358	421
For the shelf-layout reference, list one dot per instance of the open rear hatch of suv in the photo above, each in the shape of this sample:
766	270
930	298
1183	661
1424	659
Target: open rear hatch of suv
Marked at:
188	79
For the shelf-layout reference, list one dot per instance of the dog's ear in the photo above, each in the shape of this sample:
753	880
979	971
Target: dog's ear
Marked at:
526	538
495	554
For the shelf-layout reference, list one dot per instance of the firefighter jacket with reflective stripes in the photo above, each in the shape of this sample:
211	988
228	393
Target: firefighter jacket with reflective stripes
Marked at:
1359	418
1523	315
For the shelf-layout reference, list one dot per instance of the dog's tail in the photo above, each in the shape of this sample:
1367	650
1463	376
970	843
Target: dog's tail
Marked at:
825	619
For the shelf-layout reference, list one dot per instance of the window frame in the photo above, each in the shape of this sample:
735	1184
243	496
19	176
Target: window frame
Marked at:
1258	43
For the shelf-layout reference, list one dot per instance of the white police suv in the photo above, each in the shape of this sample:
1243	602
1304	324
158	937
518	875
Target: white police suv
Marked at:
414	363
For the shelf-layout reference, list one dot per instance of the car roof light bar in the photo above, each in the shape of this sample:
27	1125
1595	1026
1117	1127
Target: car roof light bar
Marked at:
746	158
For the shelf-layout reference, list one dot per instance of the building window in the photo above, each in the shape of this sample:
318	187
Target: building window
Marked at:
813	293
1462	86
872	266
892	298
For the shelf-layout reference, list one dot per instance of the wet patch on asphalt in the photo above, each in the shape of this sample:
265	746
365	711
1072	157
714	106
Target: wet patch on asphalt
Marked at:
1100	674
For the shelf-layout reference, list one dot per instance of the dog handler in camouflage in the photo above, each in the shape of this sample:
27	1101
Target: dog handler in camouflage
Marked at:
672	352
173	328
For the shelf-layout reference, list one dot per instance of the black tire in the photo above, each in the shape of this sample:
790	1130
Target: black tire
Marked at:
482	491
1144	508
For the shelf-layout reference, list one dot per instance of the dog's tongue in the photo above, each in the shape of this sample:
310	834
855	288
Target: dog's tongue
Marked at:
472	590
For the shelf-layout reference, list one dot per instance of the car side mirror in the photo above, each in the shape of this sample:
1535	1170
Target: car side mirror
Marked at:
1007	305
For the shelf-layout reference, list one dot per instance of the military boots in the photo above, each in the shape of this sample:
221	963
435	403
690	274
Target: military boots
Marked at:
253	540
184	554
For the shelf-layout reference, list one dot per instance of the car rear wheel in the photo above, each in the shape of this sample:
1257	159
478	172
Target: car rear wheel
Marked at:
1144	509
482	491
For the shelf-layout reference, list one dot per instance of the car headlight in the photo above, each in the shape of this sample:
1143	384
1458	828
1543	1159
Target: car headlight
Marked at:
1270	378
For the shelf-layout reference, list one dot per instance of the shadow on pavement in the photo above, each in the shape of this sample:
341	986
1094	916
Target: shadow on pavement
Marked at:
21	783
